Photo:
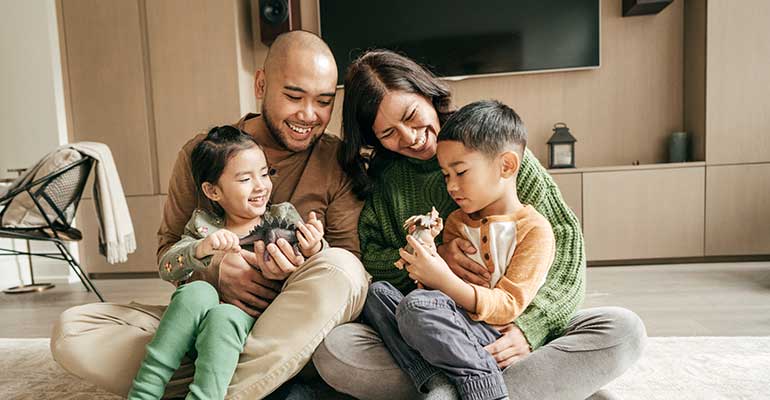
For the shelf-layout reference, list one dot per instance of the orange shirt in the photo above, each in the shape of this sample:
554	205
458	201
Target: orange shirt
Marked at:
517	250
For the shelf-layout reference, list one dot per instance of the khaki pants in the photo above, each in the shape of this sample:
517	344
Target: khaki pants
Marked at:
104	343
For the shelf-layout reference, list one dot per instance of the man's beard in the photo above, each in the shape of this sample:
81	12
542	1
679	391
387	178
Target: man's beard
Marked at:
278	135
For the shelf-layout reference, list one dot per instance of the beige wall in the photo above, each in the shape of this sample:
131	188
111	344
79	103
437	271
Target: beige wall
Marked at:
32	116
30	78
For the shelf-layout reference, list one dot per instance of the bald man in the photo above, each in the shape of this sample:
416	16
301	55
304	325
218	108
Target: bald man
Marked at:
104	343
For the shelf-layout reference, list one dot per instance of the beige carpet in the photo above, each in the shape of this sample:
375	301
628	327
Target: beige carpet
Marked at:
678	368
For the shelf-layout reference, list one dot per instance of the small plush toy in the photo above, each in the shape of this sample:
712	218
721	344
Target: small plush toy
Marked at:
423	228
270	230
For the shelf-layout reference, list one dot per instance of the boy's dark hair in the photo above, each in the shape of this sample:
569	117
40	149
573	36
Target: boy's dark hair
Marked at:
210	156
488	126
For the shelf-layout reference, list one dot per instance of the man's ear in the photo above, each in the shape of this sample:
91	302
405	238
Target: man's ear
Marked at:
510	162
211	191
259	84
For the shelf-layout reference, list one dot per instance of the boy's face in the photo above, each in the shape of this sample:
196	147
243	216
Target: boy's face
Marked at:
474	180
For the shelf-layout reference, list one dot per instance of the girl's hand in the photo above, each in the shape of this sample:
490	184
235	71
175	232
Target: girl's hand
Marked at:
309	235
425	265
221	240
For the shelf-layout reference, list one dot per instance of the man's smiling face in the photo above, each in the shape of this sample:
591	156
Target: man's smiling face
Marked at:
298	99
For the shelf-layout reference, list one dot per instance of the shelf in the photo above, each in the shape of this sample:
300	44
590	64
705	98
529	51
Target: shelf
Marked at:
691	164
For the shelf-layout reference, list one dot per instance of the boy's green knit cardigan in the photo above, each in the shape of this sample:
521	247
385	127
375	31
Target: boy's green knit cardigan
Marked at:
406	186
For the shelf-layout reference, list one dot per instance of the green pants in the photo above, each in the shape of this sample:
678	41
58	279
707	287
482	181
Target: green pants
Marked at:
194	323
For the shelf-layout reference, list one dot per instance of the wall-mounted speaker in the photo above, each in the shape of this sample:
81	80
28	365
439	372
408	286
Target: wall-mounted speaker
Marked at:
643	7
277	17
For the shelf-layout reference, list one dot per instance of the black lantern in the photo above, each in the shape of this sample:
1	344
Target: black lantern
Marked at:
561	147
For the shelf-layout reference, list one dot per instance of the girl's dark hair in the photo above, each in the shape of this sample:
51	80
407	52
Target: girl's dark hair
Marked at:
367	81
210	156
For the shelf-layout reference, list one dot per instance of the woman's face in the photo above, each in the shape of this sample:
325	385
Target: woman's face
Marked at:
407	124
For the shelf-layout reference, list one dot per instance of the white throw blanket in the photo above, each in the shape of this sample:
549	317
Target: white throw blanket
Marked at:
116	232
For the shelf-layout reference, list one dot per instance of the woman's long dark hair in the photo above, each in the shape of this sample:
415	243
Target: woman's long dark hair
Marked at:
210	156
367	81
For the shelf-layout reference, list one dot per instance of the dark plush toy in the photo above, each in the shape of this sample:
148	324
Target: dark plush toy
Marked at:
269	231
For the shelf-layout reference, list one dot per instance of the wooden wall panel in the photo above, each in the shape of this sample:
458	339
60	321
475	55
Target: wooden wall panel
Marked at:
738	82
107	97
695	75
571	188
619	113
644	214
737	211
194	64
145	214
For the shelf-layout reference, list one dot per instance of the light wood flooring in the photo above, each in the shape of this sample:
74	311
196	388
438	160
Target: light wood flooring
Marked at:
728	299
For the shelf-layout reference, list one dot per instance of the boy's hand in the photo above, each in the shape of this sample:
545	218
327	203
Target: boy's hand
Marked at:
425	265
309	235
221	240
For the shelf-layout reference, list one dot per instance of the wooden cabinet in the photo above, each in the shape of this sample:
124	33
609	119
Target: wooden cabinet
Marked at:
201	70
145	213
738	210
642	214
737	82
108	100
571	188
143	77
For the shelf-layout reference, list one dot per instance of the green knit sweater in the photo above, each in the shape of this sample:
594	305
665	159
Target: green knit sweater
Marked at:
406	186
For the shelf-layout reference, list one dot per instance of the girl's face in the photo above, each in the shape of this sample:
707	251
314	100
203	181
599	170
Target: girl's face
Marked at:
407	124
244	187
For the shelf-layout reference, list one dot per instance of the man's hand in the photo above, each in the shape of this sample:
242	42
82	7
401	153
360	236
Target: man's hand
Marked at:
510	348
245	287
455	253
281	261
310	235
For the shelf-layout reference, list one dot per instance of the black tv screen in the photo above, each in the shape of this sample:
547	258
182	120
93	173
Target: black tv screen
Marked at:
458	38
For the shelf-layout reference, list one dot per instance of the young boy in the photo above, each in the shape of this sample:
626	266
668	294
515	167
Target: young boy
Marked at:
444	330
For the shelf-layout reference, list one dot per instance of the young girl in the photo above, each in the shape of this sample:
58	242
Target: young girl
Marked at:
230	169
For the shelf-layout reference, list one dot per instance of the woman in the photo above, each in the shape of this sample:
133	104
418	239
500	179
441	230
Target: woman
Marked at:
394	109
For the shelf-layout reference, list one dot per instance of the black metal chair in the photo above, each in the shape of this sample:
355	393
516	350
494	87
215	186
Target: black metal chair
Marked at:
60	191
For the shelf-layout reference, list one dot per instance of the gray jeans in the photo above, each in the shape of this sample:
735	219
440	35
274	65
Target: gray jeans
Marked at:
426	334
597	347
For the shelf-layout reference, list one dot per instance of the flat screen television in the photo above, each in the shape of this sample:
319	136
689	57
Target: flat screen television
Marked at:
457	38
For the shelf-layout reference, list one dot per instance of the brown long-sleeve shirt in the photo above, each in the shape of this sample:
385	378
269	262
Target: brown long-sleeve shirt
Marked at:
311	180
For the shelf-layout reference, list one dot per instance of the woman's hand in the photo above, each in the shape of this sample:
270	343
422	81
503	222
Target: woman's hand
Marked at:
310	235
509	348
455	253
221	240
